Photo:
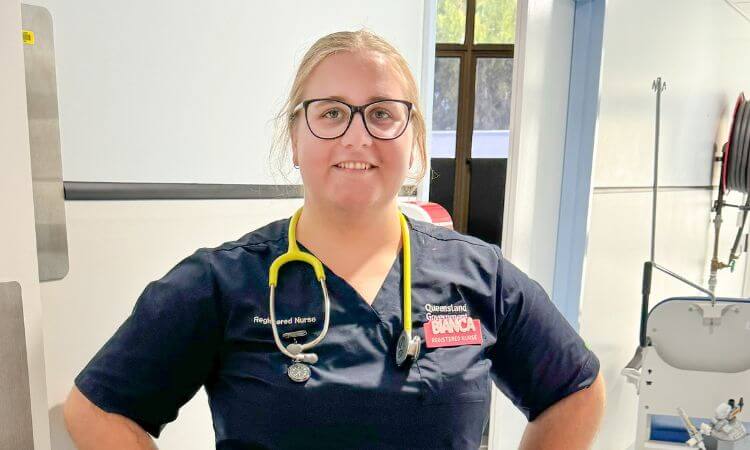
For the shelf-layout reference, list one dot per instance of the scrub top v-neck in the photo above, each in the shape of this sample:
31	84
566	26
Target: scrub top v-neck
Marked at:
206	323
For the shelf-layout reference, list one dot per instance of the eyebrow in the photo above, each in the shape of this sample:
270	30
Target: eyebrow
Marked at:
371	99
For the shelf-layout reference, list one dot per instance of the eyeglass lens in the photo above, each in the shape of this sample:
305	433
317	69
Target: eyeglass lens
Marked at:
330	118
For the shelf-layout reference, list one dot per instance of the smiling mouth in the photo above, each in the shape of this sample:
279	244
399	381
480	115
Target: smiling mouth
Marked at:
355	166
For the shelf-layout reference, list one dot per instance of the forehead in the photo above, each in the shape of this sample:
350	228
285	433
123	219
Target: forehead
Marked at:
357	77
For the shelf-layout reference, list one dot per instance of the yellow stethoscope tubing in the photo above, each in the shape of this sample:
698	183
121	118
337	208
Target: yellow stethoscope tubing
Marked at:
293	253
406	244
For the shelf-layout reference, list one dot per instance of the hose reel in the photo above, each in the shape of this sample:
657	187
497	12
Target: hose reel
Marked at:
735	176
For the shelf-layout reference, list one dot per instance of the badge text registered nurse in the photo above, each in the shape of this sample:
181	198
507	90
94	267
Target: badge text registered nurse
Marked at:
450	325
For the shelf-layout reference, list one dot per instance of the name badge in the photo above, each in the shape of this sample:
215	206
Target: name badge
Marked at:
452	331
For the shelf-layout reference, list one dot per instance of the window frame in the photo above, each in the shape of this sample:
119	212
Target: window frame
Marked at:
467	53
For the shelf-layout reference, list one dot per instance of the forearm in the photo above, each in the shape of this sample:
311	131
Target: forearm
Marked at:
92	428
570	424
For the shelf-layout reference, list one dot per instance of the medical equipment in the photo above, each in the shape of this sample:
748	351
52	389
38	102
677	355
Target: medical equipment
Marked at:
692	349
725	427
696	439
408	346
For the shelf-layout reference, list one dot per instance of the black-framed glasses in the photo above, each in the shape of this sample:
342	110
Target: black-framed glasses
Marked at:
330	119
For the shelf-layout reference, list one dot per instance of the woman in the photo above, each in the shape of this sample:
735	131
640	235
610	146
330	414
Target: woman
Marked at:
355	131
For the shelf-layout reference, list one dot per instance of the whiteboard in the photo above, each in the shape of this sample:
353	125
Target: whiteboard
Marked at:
184	92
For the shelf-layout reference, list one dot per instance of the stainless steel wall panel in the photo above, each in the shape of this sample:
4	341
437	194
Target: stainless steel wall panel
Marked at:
44	141
15	399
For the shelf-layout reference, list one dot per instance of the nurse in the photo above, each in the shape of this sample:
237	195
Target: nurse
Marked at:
356	133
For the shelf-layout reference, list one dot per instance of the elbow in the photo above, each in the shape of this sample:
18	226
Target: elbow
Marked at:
592	402
571	423
598	403
72	411
83	420
586	405
69	411
93	428
599	394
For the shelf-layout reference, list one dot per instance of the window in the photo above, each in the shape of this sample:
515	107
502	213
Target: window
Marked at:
471	112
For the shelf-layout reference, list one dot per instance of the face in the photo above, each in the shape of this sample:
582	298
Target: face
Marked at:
356	78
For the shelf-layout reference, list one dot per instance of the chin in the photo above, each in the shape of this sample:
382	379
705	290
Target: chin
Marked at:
353	204
353	201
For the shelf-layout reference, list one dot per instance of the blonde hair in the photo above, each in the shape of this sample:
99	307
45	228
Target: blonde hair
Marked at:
347	41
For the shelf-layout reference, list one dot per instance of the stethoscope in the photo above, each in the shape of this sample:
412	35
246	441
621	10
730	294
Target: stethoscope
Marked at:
408	346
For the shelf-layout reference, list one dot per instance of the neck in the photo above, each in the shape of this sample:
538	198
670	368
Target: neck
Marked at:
321	226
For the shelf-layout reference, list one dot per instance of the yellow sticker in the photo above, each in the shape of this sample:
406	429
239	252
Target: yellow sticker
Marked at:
28	37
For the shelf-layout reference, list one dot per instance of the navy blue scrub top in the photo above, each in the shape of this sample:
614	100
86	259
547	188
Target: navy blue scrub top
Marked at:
205	323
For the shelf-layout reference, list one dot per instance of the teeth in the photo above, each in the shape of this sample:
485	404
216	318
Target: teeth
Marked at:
353	165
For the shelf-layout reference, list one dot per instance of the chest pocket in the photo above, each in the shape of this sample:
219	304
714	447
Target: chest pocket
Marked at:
453	374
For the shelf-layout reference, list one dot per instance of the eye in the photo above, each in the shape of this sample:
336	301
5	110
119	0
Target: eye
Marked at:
381	114
332	114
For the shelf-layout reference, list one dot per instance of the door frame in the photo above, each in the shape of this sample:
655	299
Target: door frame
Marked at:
538	126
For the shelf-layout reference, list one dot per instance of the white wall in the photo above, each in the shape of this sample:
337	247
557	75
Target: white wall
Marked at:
18	259
699	47
174	91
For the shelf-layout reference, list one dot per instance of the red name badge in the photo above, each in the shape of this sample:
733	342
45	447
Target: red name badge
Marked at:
452	331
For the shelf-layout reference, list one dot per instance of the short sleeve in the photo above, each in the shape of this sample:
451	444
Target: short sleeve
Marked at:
164	351
538	358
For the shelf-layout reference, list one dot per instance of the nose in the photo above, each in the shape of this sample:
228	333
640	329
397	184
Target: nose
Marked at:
357	134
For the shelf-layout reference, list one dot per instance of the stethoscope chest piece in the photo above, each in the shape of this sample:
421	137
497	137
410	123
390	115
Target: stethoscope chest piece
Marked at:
407	348
299	372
